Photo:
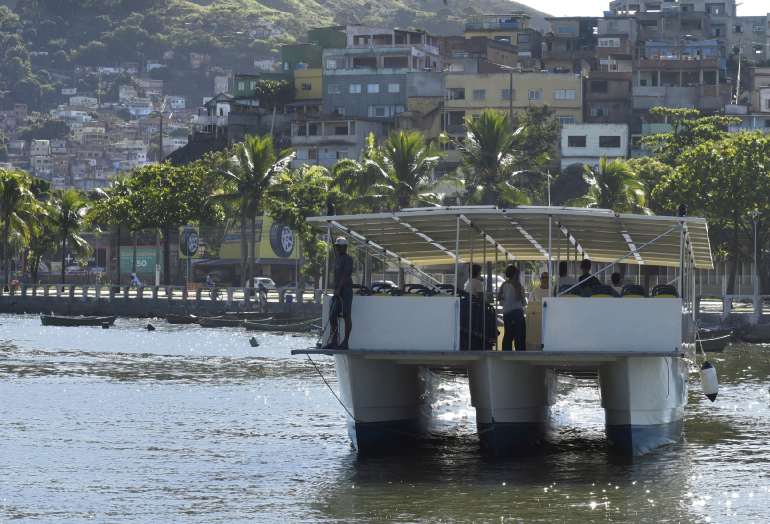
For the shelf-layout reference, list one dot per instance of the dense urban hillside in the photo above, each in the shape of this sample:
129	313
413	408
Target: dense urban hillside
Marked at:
42	41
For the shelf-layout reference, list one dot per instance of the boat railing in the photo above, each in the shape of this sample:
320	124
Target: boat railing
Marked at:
228	295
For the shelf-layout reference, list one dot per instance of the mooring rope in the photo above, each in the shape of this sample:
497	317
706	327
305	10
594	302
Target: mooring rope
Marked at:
331	389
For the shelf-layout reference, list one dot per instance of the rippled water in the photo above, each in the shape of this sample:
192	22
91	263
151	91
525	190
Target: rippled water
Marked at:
193	425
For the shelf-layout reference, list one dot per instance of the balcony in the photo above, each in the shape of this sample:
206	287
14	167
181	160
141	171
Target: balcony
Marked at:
709	98
679	63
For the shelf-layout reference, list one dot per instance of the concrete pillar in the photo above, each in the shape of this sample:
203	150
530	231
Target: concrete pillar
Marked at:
246	298
140	292
155	292
512	401
229	296
71	291
24	290
198	293
126	292
184	294
658	76
45	290
98	291
643	401
111	293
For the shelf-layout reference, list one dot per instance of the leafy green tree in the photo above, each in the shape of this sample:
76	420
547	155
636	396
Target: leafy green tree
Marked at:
395	175
297	195
273	93
166	197
650	173
252	169
68	210
689	128
725	180
19	212
489	160
614	185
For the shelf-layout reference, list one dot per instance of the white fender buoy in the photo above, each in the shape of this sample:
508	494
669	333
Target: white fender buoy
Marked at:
708	379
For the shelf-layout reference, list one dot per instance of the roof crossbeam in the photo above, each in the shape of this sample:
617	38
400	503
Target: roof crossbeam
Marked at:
488	238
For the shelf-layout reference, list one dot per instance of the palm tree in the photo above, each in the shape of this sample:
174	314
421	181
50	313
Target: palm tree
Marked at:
69	209
252	170
19	211
397	174
489	159
614	185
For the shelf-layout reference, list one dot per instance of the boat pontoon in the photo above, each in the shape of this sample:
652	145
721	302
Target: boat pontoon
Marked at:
640	346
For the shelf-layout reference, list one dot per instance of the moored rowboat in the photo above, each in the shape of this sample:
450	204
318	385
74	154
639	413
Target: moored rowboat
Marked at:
53	320
181	319
304	326
215	322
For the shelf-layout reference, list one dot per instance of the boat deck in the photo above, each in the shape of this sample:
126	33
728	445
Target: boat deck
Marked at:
458	358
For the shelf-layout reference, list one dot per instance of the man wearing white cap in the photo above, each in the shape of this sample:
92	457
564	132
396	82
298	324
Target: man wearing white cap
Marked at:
343	294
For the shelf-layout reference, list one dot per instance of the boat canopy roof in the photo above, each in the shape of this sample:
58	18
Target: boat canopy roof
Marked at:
428	236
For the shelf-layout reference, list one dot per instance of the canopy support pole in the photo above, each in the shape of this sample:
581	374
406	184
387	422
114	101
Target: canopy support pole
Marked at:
550	239
484	294
494	298
328	256
470	298
457	255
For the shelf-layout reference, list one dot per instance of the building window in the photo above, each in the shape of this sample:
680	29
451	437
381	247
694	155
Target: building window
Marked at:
599	86
342	154
378	111
738	29
564	120
355	89
479	94
767	104
339	110
333	89
609	141
300	130
331	63
241	85
306	86
312	154
609	42
599	111
758	28
523	38
373	88
455	93
313	129
535	94
576	141
767	124
505	94
398	109
564	94
394	88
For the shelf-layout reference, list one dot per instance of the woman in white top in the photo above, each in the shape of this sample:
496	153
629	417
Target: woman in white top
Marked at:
475	285
511	296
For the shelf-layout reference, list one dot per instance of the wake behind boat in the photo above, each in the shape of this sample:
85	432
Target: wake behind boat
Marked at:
54	320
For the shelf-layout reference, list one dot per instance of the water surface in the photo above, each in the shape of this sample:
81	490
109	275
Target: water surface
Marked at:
195	425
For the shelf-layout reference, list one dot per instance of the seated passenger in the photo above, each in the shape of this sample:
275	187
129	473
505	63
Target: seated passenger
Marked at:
617	283
475	285
537	293
587	282
565	281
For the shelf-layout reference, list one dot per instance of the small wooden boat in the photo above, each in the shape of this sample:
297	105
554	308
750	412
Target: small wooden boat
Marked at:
249	315
304	326
181	319
216	322
54	320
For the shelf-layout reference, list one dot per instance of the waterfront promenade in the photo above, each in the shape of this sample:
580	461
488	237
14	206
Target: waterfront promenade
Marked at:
147	301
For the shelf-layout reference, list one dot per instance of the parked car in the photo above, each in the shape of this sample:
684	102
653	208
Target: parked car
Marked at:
267	282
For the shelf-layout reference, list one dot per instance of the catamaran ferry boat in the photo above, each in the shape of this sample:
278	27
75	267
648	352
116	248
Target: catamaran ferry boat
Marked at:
641	344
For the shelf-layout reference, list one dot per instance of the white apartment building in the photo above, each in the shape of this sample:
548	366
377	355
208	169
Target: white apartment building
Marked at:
587	143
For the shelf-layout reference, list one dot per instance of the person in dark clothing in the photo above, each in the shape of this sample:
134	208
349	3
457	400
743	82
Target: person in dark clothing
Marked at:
511	296
587	282
342	301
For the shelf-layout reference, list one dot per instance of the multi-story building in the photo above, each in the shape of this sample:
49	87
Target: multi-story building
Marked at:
368	80
760	95
570	45
684	75
588	143
456	49
326	141
510	28
468	94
